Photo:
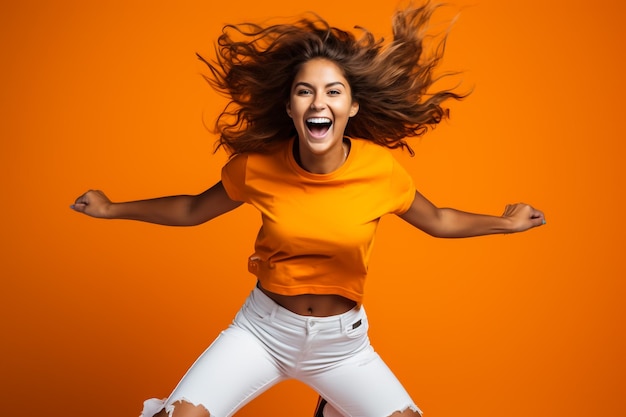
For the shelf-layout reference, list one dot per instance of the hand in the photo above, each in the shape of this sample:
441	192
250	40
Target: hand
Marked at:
93	203
523	217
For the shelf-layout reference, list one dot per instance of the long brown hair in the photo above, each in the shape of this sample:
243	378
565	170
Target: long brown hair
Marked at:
256	65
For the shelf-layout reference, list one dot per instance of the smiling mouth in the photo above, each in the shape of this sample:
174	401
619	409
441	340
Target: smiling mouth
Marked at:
318	126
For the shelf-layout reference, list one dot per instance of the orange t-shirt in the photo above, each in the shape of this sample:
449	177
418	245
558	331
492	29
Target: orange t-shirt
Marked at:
318	229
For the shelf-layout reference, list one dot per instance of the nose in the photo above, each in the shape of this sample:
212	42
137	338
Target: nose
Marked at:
317	103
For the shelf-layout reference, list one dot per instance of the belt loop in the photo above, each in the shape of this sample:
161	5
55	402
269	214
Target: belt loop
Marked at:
342	322
275	307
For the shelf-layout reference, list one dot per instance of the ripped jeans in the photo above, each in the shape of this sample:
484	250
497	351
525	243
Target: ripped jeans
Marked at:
267	344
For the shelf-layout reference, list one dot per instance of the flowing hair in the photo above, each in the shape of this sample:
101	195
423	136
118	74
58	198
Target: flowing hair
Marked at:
256	65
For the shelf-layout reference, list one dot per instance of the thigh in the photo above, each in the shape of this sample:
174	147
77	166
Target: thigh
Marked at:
230	373
363	386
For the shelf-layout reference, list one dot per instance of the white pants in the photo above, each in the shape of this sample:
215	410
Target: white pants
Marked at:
267	344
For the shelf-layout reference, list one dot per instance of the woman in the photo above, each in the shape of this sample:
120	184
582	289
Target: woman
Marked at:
312	114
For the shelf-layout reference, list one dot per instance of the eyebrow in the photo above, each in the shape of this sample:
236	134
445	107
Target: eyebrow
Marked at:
334	83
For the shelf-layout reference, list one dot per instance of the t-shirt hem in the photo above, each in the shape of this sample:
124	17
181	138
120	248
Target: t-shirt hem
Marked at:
311	289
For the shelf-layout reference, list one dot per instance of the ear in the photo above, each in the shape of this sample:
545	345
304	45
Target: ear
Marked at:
288	108
354	109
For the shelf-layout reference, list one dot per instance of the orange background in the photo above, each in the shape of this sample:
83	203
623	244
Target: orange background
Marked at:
99	315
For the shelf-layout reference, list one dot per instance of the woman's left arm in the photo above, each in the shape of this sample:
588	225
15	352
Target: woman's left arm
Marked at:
452	223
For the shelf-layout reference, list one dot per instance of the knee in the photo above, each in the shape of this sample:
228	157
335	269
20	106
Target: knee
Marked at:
406	413
184	409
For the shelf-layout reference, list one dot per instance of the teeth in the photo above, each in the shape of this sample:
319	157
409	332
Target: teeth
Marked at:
319	120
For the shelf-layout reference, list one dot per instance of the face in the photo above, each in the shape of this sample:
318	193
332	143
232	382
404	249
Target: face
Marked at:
320	105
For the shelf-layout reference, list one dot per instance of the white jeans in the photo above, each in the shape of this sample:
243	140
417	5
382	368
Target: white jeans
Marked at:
267	344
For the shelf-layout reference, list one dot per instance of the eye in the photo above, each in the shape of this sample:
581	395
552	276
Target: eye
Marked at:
334	92
303	92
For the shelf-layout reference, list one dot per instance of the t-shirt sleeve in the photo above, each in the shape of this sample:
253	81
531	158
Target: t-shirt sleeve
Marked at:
402	189
234	177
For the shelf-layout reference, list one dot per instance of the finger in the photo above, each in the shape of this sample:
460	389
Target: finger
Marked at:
81	202
536	214
86	197
538	218
538	221
79	207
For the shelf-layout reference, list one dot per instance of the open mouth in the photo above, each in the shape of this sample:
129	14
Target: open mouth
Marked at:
318	126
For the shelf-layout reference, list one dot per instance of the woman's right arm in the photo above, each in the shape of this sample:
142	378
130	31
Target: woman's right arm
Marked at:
179	210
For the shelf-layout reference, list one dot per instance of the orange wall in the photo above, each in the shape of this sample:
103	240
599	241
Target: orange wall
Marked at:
98	315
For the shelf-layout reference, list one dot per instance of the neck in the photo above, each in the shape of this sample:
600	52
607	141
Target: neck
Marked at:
322	164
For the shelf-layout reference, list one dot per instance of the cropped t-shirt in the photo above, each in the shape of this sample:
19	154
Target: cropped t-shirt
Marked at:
317	229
